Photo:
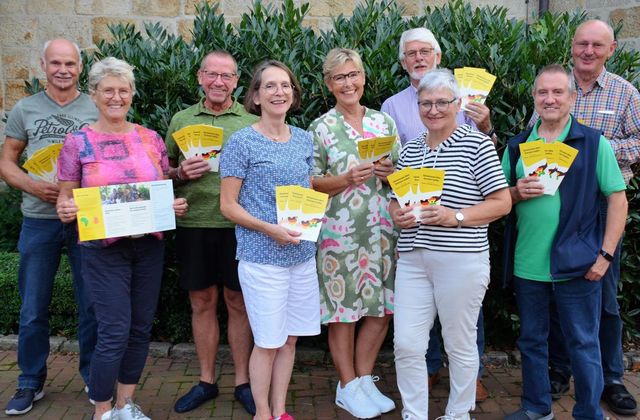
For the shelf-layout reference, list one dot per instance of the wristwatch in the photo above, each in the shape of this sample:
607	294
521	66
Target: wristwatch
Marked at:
459	218
606	255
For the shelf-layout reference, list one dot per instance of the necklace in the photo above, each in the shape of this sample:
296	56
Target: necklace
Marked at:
275	137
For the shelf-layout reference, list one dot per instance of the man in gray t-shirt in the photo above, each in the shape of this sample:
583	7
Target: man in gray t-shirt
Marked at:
34	123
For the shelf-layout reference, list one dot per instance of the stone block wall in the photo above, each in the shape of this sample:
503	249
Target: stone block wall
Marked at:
26	24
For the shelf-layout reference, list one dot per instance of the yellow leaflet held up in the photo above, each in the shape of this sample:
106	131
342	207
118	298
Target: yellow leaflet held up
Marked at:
475	84
533	156
180	137
566	156
91	224
301	209
400	183
211	136
376	149
44	162
382	148
365	149
431	185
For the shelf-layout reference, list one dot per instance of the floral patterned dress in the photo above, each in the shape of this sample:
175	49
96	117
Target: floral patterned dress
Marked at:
357	244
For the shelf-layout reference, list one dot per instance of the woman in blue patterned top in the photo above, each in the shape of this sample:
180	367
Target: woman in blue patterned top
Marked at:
277	270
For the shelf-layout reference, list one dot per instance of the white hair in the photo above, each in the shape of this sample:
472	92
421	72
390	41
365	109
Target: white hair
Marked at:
438	79
110	66
47	43
417	34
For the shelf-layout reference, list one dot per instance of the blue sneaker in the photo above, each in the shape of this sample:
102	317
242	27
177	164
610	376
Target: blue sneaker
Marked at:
195	398
22	401
243	395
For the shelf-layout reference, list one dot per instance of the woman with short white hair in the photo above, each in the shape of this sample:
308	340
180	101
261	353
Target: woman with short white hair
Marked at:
443	265
122	275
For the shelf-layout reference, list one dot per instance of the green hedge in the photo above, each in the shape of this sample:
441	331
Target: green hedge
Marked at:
511	49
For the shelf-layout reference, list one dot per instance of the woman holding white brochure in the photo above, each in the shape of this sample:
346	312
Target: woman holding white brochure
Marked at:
277	270
122	275
443	265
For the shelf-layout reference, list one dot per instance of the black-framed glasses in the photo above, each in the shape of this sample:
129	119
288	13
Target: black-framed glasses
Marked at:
424	52
341	78
212	75
441	105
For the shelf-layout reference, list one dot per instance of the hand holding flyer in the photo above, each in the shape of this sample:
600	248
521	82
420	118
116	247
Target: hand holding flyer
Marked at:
44	163
124	209
547	161
301	209
475	84
375	149
417	187
201	140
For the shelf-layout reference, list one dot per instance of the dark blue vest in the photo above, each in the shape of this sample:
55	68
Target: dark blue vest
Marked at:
580	233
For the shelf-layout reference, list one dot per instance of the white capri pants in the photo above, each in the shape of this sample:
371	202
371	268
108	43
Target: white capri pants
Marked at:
451	285
280	301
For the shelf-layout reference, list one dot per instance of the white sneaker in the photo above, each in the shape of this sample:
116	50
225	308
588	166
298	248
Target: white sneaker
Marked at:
464	416
384	403
130	411
353	399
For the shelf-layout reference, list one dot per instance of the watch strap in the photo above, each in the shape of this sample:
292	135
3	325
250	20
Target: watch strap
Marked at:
606	255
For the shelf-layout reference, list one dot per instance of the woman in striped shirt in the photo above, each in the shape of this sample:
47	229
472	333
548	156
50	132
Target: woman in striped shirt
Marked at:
443	267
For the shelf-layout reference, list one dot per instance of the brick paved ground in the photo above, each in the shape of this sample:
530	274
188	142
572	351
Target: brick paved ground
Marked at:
310	393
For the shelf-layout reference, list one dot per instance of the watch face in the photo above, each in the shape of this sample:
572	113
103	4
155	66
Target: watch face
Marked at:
459	216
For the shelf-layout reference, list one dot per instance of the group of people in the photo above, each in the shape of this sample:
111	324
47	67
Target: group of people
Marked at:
374	260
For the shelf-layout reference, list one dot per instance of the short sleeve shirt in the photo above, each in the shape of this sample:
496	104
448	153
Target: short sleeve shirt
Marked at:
40	122
203	194
263	164
538	218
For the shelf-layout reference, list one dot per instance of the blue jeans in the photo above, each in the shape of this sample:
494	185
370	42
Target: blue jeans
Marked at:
434	352
123	281
578	302
40	245
610	324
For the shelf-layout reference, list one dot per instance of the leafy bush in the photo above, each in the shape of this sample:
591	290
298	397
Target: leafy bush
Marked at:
511	49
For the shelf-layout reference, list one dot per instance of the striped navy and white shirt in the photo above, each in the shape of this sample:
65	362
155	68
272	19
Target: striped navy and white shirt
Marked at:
472	171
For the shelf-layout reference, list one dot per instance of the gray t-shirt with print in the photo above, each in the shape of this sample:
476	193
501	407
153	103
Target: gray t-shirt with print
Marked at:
39	121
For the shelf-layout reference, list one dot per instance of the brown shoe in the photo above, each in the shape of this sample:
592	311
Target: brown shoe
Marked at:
481	392
434	379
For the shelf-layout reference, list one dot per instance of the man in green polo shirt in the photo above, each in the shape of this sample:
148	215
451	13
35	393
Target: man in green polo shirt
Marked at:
205	240
561	250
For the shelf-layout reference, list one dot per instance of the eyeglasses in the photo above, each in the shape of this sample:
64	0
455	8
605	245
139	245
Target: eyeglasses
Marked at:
583	45
272	88
440	105
212	75
424	52
110	93
342	77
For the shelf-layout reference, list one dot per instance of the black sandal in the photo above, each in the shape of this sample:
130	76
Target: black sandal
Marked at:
619	400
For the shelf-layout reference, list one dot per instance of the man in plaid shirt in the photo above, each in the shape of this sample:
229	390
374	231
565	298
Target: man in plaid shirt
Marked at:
609	103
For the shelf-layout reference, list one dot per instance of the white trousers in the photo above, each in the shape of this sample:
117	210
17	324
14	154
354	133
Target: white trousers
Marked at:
452	286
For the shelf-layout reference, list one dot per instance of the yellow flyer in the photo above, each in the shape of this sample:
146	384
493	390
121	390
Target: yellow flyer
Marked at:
301	209
124	209
431	186
282	199
210	144
312	210
382	148
400	183
475	84
44	163
365	149
534	159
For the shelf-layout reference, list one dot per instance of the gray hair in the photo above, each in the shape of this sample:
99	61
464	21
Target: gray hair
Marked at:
48	42
438	79
337	57
556	68
110	66
219	53
418	34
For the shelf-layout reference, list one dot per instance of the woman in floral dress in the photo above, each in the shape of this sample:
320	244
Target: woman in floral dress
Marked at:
356	261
